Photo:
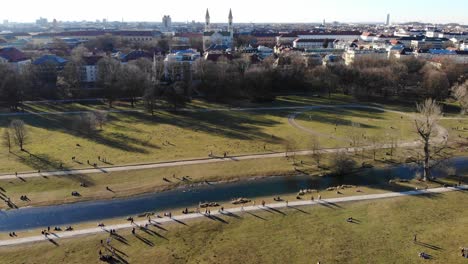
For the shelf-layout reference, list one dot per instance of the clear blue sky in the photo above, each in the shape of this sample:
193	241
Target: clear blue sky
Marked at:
243	10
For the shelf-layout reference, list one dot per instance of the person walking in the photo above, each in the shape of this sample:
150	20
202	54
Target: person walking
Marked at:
415	239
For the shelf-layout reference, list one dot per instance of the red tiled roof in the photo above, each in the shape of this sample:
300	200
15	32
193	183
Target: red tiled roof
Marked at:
303	40
12	54
188	35
215	56
91	60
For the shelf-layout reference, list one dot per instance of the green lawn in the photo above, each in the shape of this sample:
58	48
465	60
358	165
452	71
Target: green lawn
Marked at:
342	123
384	234
138	137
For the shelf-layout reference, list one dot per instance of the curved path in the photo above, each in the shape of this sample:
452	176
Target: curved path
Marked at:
182	218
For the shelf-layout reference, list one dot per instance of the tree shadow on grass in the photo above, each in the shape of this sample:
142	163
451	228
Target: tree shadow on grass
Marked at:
44	162
271	209
145	240
298	209
231	215
257	216
216	218
426	245
235	125
53	242
65	124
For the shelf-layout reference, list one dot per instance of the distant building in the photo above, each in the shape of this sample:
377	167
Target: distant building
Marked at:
438	55
179	63
136	36
50	59
222	37
264	52
42	22
183	41
332	60
388	20
89	71
429	43
288	38
135	55
14	57
167	23
312	43
350	56
264	39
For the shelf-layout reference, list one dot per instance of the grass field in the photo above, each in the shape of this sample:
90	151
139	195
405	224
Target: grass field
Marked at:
384	234
343	123
136	137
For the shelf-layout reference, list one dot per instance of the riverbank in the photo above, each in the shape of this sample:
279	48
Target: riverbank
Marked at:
296	235
45	191
370	181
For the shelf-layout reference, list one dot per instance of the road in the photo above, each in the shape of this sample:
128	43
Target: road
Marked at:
238	210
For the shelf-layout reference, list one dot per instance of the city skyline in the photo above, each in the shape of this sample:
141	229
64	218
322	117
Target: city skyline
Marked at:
297	11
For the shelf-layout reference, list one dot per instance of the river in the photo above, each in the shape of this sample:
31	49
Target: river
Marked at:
59	215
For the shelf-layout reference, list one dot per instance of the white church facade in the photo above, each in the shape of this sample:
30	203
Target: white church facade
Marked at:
213	38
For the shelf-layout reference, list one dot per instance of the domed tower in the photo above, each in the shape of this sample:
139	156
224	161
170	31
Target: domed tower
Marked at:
207	20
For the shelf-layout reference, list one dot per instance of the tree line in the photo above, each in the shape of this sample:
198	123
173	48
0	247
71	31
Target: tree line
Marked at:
235	77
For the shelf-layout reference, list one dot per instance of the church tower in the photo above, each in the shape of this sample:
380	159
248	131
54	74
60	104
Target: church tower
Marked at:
207	21
230	27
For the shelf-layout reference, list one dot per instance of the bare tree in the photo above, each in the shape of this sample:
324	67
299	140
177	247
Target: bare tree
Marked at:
460	92
355	135
290	147
426	123
375	145
342	164
86	123
149	98
316	152
435	83
7	139
19	132
109	73
392	139
133	80
101	118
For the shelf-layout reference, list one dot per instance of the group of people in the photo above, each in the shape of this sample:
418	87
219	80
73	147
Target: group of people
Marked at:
464	252
168	214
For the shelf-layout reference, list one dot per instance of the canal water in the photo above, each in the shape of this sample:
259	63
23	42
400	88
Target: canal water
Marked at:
60	215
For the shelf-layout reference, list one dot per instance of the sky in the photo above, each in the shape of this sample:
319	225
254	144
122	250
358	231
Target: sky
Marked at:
256	11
